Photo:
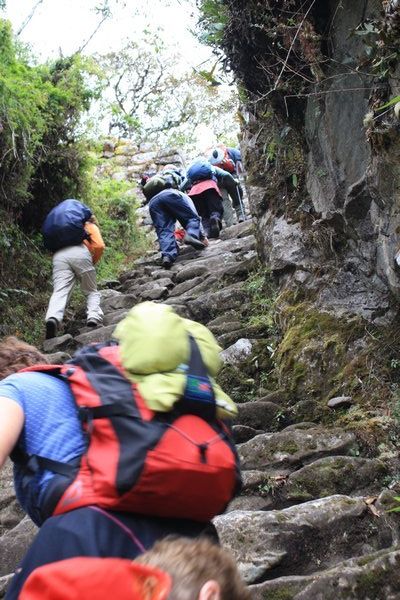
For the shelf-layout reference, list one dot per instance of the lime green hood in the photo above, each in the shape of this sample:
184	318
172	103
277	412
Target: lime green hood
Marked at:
155	348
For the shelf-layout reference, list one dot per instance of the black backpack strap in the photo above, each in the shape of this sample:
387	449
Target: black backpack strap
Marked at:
33	463
198	397
114	390
118	401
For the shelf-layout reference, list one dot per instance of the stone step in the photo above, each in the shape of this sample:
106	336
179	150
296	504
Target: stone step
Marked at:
286	451
302	539
324	477
96	336
373	576
209	305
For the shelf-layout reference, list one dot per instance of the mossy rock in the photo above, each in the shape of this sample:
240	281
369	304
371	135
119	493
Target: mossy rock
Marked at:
314	349
335	475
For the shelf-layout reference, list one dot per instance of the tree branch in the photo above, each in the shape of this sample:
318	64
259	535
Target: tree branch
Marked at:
29	17
105	17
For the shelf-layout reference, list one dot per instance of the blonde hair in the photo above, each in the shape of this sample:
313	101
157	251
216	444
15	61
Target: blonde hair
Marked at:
191	563
16	354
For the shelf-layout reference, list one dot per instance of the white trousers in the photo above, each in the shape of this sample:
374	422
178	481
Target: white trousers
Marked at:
229	215
72	264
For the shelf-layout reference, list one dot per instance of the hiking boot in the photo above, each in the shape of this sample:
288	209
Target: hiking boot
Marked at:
92	323
192	241
167	262
51	328
214	227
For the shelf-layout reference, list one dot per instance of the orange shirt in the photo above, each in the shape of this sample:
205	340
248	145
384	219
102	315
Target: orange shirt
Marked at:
95	244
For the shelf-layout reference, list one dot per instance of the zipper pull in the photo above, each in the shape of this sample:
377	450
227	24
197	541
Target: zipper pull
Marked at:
203	450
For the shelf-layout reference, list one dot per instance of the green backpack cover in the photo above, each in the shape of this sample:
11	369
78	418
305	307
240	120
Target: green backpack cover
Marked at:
157	184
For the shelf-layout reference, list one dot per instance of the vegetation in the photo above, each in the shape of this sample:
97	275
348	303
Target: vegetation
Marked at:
262	292
44	160
114	206
256	375
40	156
153	100
213	21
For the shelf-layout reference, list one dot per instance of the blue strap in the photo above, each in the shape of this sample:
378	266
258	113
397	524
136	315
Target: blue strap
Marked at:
198	398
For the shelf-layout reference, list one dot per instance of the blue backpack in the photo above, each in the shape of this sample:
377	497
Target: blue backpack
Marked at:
65	225
200	170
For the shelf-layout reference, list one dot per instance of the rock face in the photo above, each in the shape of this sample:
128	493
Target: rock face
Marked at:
323	185
323	180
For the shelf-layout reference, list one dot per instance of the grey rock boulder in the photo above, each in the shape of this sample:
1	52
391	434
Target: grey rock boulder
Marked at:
238	352
238	231
244	433
118	301
370	577
190	271
97	335
14	544
57	358
300	539
186	286
286	451
4	583
226	326
57	344
258	415
115	316
287	247
332	475
340	402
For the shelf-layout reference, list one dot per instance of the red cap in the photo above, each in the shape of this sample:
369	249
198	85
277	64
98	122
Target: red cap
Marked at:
86	578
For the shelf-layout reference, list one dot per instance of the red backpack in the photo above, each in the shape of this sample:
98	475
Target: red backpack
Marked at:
87	578
177	464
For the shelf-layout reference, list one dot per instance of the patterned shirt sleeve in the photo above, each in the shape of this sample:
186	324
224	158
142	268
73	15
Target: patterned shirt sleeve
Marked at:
10	389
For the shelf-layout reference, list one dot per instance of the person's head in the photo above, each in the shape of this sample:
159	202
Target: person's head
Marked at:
146	176
200	570
16	354
216	156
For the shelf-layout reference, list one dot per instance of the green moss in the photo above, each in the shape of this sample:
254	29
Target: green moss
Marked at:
256	373
313	349
282	593
289	447
262	293
371	583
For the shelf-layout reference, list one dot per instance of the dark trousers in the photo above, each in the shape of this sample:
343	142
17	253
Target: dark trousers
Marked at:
91	531
209	206
166	208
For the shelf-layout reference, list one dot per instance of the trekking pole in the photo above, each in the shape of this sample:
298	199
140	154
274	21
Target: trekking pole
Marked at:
240	201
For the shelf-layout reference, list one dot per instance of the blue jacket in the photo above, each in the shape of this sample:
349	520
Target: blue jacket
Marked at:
235	155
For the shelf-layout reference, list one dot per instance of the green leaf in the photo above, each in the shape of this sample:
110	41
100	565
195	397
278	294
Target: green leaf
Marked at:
394	100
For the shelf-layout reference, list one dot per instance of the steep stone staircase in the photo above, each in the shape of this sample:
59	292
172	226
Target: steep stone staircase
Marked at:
311	521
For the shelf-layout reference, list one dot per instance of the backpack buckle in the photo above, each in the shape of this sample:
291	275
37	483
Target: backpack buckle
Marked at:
84	414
